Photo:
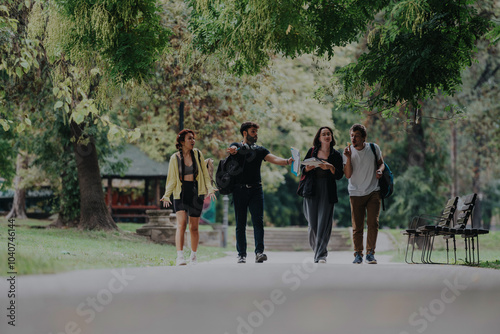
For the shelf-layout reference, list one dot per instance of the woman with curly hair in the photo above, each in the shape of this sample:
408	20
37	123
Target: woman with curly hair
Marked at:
189	181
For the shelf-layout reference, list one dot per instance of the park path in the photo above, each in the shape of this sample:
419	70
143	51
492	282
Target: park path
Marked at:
287	294
384	243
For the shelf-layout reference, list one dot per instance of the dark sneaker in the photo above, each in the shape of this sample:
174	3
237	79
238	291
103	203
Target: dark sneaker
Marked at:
370	258
358	258
260	257
242	259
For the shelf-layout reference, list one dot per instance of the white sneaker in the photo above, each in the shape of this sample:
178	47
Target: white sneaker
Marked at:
180	260
322	261
193	259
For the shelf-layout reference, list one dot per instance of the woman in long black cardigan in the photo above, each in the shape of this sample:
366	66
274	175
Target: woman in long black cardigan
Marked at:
320	191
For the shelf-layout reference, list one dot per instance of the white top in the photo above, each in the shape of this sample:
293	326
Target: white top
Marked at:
363	180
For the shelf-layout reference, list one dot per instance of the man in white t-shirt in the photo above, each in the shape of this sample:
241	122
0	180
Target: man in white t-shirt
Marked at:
363	174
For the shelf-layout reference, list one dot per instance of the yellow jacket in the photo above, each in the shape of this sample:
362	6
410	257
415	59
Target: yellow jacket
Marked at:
174	184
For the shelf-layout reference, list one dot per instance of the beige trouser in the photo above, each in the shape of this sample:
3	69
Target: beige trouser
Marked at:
368	205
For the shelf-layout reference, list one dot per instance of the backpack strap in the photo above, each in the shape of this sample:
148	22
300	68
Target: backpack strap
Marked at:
376	165
312	151
375	154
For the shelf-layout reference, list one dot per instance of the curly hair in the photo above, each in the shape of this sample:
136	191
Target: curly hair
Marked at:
247	125
359	127
181	136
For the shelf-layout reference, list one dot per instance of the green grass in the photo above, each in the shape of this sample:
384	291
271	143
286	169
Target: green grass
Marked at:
489	249
490	264
44	251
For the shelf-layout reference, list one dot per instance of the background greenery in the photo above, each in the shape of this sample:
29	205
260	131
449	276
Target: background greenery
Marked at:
57	68
45	251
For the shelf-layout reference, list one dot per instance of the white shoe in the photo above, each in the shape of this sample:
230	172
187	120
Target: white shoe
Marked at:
193	259
180	260
322	261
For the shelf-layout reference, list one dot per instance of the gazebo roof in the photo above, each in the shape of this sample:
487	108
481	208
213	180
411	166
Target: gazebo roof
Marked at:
141	166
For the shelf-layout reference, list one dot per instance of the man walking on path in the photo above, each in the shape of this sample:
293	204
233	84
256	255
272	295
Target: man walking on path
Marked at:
247	193
363	174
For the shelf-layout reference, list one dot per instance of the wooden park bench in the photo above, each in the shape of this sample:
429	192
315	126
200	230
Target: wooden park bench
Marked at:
469	232
429	232
446	226
425	227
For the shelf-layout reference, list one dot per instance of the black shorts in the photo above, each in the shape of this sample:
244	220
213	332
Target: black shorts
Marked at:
189	201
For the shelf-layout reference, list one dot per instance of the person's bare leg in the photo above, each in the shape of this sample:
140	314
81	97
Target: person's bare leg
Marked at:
193	230
181	229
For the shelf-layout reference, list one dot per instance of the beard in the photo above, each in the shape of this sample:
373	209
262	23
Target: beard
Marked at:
251	140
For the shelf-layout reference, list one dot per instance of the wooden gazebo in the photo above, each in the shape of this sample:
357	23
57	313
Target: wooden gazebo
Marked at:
139	188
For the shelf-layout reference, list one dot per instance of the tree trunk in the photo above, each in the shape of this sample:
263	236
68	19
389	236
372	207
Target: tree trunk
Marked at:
67	205
416	143
476	188
69	201
94	213
416	150
61	222
19	204
453	158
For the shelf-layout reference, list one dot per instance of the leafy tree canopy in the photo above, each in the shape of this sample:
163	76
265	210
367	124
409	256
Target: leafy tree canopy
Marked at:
416	50
245	32
129	35
415	47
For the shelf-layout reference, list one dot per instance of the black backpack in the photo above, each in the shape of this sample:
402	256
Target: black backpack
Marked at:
386	182
224	177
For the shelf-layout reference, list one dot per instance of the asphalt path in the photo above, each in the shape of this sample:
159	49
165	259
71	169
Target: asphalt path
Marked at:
286	294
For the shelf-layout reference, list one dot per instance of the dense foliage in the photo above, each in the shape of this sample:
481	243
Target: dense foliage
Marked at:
245	32
62	62
63	67
129	35
414	46
416	50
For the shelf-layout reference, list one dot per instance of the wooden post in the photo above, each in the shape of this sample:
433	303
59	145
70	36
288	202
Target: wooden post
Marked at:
181	116
146	192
